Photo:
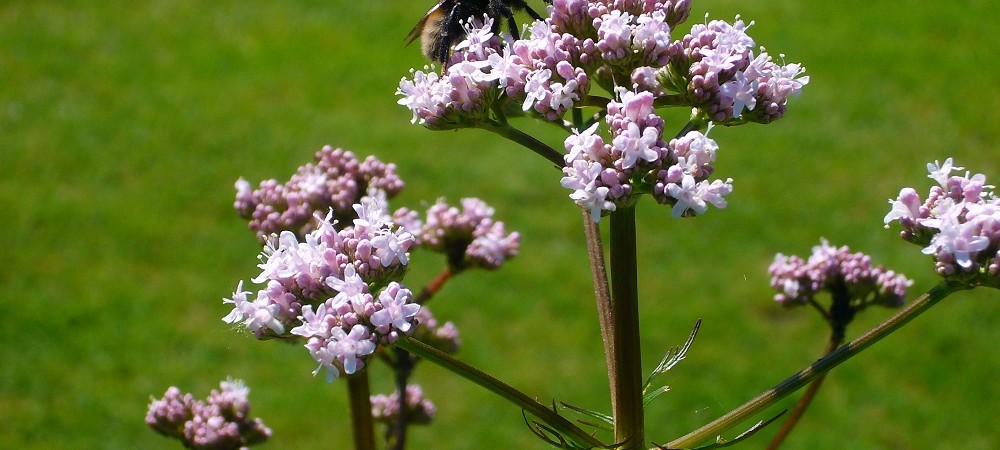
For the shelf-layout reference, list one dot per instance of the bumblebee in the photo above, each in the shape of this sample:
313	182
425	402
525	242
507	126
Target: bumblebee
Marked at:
441	27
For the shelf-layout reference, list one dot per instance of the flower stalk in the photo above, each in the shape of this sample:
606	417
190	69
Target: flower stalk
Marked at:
550	417
524	139
435	285
621	319
805	400
815	370
359	397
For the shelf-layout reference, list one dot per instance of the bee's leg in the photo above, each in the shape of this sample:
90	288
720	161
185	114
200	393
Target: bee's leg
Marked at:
531	12
450	28
501	11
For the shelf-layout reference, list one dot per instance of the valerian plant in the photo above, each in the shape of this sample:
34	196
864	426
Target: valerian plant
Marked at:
334	254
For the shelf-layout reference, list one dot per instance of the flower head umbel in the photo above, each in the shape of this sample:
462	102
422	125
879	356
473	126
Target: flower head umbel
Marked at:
337	180
221	421
605	176
325	288
723	75
849	277
469	236
958	224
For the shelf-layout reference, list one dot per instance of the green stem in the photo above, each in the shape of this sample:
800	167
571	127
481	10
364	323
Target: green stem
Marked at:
625	374
524	139
434	286
692	125
671	100
396	434
542	412
805	400
594	100
804	376
359	395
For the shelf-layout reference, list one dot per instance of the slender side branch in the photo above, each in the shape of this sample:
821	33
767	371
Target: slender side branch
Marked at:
845	352
434	286
525	140
625	373
396	437
598	271
359	395
533	407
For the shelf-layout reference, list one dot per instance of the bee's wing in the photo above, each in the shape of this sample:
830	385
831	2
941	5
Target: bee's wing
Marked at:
418	29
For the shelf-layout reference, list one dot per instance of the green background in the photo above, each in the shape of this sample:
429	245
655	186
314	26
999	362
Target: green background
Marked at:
123	126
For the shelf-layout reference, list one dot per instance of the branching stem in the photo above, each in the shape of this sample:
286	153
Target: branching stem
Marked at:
528	404
805	376
525	140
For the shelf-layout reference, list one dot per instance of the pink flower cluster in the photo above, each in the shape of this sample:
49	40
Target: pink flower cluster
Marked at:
958	224
419	410
627	34
720	73
604	176
323	289
715	68
469	236
540	72
221	422
831	268
337	180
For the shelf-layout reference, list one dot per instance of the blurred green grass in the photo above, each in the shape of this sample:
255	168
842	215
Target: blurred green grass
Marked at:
124	124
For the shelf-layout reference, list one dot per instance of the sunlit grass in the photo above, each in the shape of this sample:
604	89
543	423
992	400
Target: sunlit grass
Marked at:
123	126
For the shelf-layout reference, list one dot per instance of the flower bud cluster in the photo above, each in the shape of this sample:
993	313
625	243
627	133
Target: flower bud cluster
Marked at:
721	74
958	224
221	422
323	289
337	180
630	41
605	176
419	410
646	19
469	236
830	268
545	70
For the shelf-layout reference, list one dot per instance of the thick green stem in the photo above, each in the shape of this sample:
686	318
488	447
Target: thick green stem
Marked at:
524	139
625	374
528	404
803	377
359	397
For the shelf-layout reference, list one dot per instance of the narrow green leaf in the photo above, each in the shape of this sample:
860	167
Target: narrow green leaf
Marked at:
655	393
605	418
